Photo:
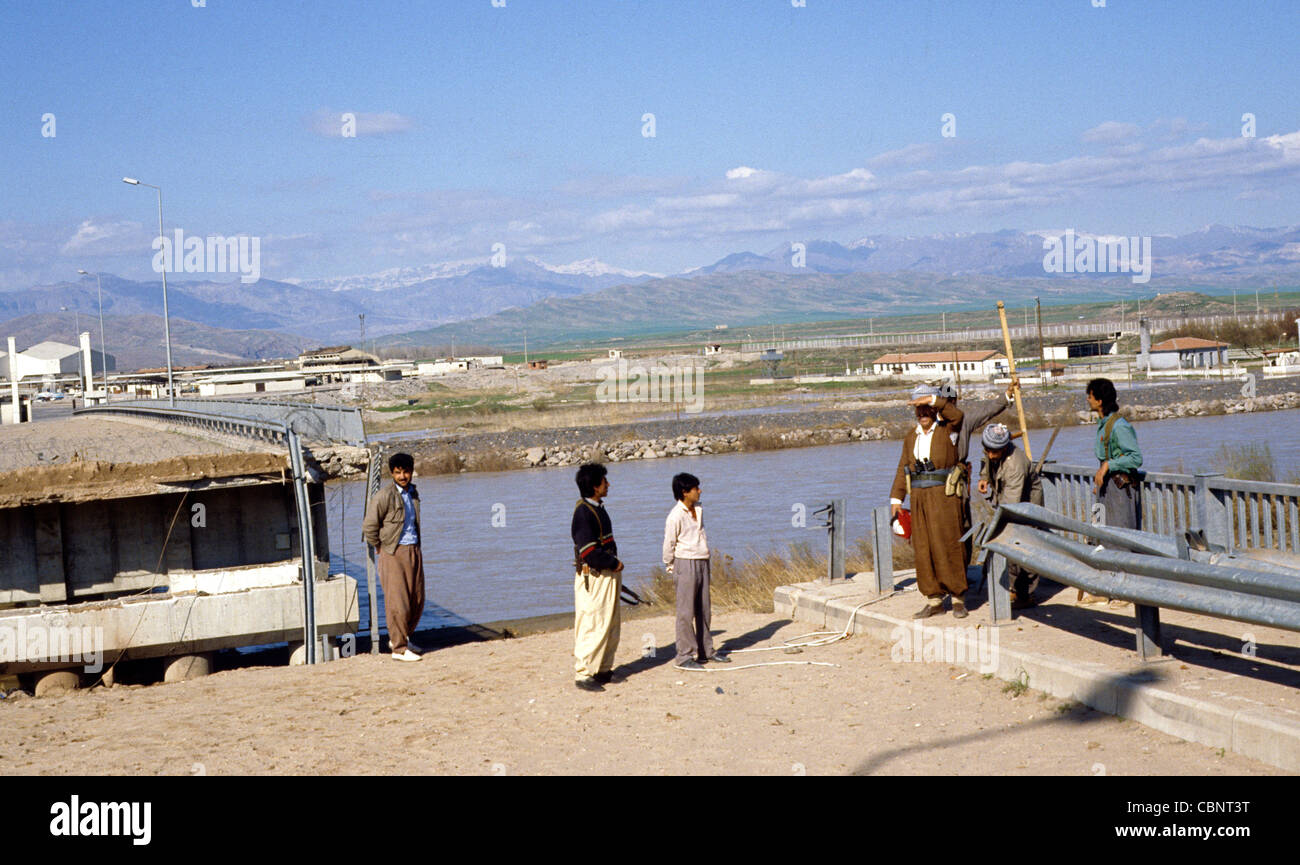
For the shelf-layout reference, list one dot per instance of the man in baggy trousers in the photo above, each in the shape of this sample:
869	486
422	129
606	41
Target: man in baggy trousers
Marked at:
596	583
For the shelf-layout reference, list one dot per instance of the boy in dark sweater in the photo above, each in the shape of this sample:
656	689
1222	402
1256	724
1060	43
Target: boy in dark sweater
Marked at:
597	582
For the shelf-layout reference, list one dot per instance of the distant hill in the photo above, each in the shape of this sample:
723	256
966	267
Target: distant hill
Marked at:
756	300
740	300
137	340
1216	250
325	314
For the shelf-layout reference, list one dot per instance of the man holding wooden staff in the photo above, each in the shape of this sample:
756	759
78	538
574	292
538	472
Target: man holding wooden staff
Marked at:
929	455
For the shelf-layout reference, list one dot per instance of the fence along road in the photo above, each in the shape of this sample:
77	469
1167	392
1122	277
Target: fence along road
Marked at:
1126	326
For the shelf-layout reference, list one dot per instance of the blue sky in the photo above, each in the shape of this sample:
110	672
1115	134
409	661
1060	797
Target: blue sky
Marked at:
523	125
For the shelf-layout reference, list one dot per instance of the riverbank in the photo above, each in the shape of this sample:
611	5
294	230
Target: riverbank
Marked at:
499	707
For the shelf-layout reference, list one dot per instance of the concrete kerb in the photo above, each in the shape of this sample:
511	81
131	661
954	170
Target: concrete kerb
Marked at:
1250	732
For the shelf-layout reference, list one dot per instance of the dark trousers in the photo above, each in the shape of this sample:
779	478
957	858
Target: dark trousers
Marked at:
1123	505
694	610
402	576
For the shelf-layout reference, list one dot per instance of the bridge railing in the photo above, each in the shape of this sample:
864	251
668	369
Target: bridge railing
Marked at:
1235	514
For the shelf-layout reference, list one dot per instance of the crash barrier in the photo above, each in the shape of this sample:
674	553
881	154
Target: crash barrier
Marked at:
1234	514
312	422
1184	571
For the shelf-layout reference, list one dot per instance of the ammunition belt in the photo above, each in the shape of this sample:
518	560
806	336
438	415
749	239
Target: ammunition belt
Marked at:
923	480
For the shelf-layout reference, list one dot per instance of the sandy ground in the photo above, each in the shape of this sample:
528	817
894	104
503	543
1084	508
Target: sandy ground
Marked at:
509	707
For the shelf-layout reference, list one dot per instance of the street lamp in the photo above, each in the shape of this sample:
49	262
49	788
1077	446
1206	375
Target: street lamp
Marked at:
76	323
103	353
167	326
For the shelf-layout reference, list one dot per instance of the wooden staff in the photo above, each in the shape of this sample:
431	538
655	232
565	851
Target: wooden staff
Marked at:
1011	365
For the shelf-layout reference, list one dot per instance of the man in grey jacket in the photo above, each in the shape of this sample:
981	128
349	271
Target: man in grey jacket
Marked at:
973	417
1006	477
392	527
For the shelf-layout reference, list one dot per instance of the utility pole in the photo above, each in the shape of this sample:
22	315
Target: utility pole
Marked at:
1042	360
362	316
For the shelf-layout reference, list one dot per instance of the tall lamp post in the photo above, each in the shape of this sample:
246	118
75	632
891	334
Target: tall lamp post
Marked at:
76	341
167	325
103	353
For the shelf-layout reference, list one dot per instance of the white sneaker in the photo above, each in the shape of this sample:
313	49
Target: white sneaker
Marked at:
405	655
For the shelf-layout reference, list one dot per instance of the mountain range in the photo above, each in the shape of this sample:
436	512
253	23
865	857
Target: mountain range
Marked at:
474	300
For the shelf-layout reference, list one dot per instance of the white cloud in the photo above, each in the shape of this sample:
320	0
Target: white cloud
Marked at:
903	157
1112	132
104	238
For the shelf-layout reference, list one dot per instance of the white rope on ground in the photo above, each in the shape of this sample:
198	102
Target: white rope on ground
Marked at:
730	669
827	637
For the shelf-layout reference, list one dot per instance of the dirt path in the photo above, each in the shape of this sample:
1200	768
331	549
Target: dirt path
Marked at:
509	707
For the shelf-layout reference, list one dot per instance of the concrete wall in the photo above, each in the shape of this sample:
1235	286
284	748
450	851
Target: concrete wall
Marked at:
1186	359
62	552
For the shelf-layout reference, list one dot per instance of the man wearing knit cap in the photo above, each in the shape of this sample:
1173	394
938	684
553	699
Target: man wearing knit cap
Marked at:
1007	477
974	417
929	453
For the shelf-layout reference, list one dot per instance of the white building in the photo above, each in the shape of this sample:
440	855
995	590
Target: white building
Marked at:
442	366
49	359
337	355
934	364
1188	352
1077	348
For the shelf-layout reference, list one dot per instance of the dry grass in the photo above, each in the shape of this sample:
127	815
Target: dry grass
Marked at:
762	439
490	461
1251	461
446	461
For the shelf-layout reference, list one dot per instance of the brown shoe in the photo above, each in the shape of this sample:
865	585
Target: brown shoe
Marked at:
928	610
959	608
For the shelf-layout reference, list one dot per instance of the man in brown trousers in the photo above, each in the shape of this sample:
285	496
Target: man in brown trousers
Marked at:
924	469
392	527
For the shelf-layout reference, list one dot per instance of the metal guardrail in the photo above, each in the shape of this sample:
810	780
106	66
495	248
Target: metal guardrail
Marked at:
312	422
1234	514
253	428
1149	570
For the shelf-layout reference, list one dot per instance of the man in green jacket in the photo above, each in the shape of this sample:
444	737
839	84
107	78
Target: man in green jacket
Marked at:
1117	482
392	527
